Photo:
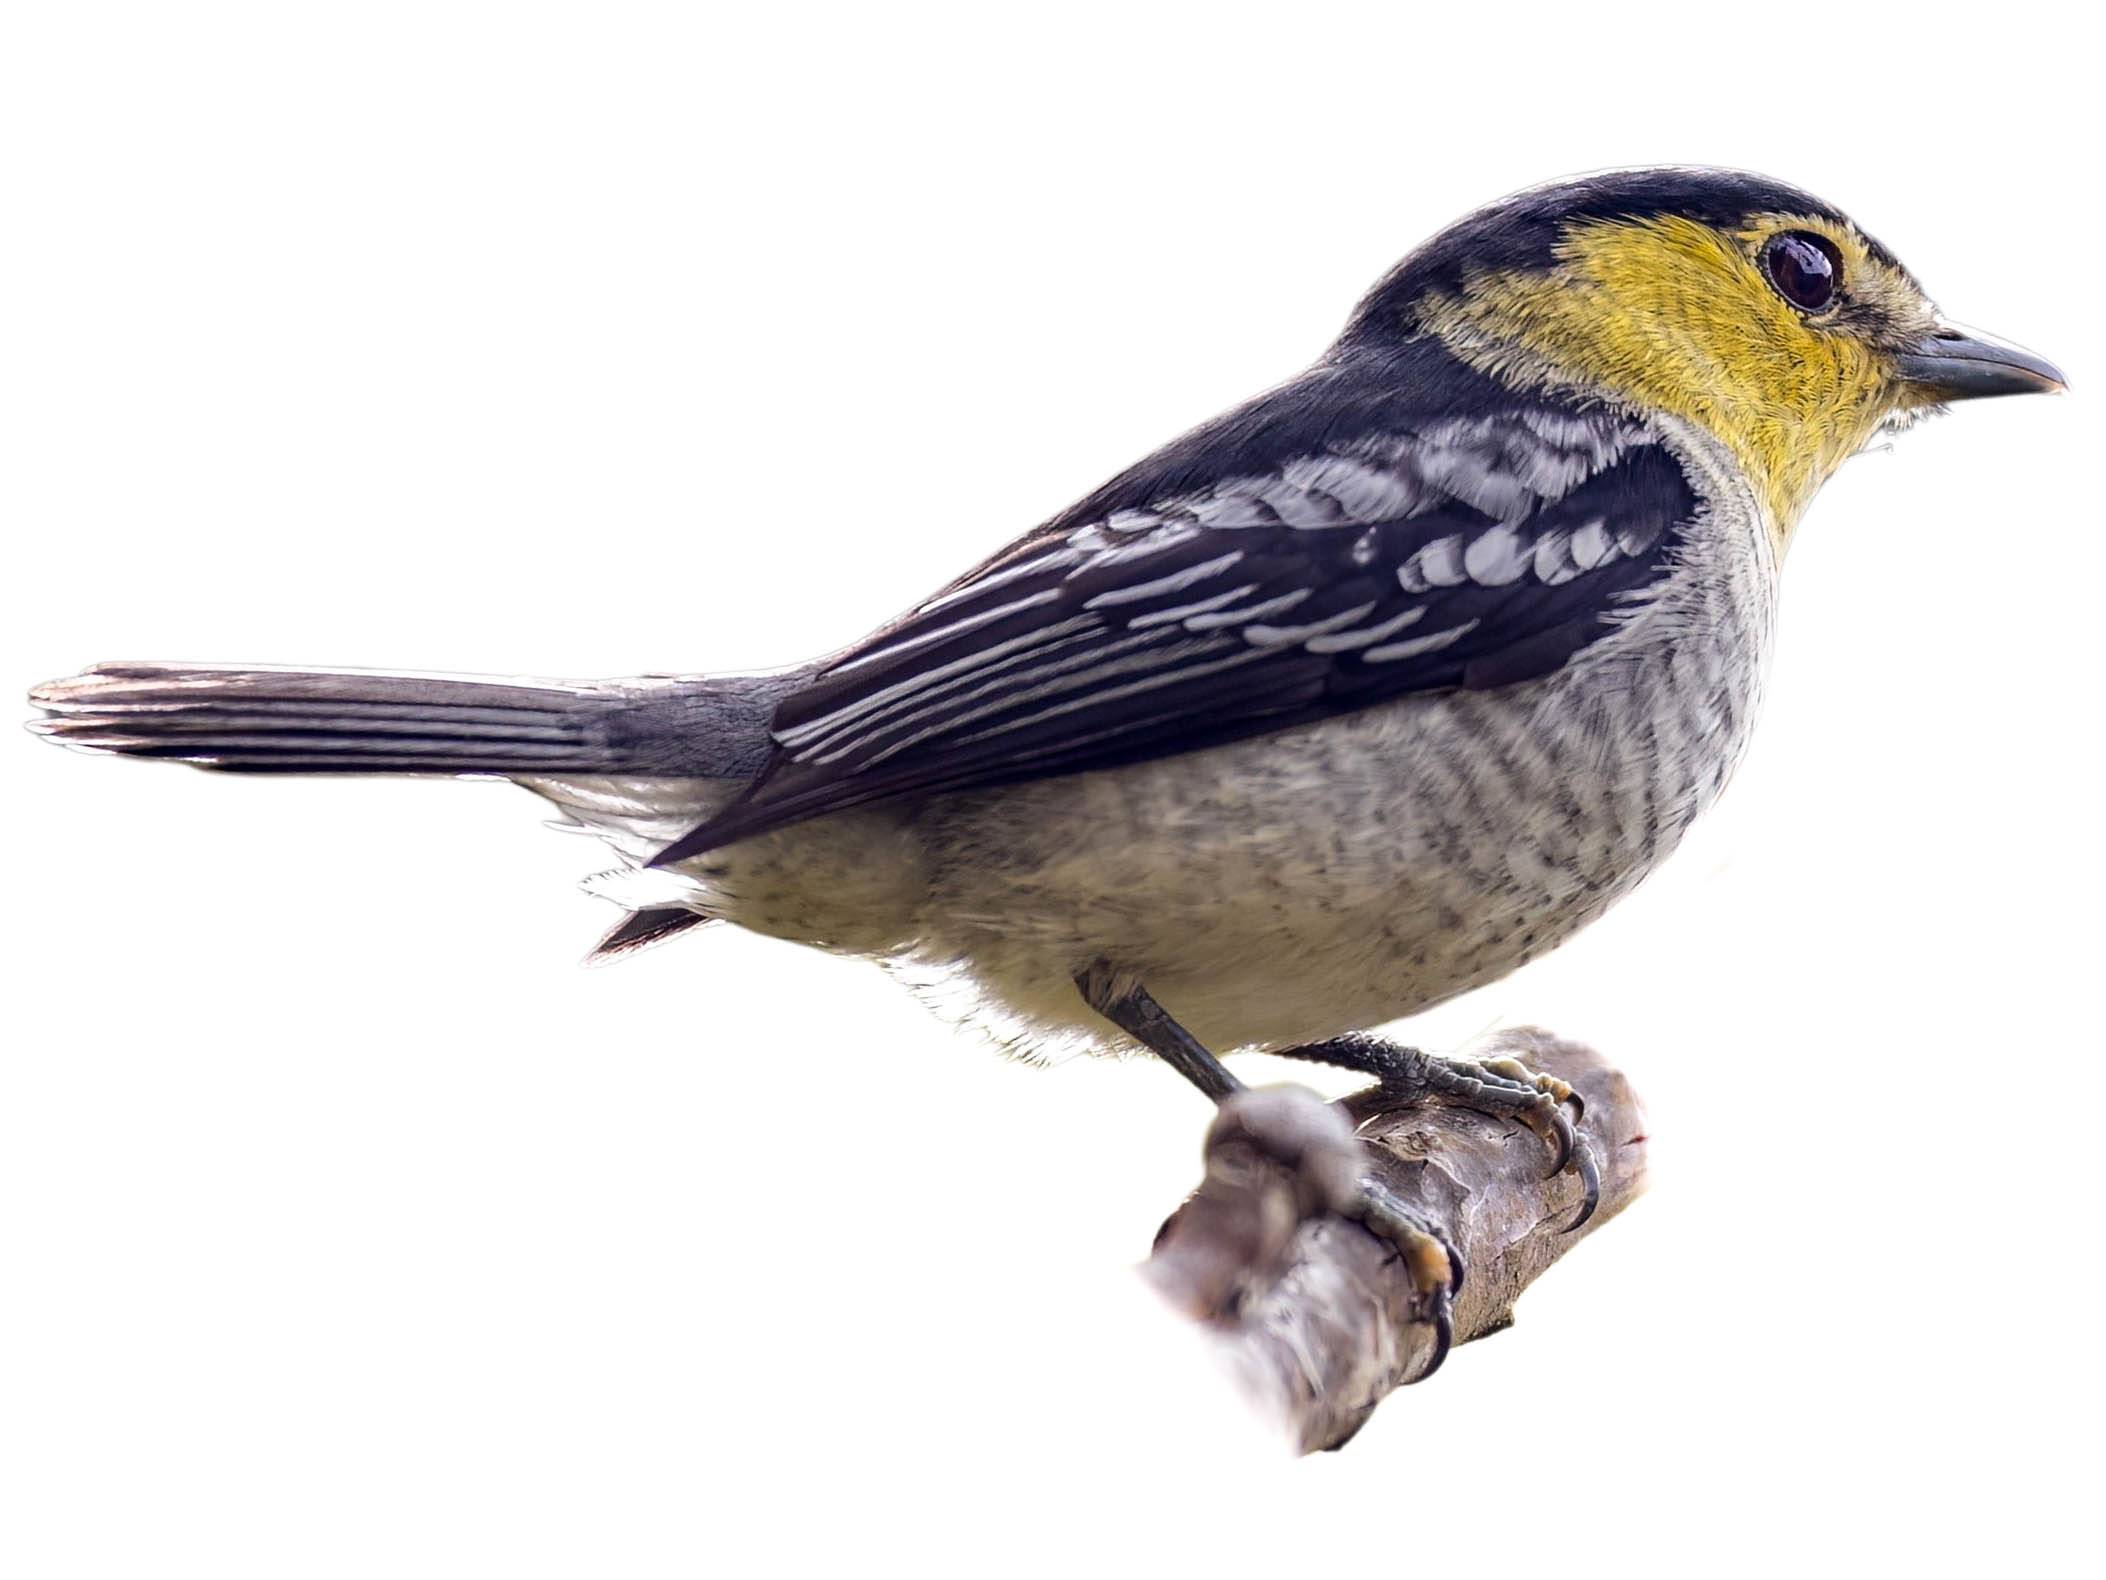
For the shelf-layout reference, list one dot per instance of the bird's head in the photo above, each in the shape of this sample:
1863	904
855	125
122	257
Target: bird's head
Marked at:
1748	307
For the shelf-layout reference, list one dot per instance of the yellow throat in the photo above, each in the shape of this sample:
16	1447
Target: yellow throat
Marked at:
1674	316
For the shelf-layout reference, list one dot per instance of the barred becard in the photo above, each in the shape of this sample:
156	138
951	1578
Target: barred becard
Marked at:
1353	698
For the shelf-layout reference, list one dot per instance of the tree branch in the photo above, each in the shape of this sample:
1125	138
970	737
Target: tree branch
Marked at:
1310	1308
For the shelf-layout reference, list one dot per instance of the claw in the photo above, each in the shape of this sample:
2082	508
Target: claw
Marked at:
1565	1137
1434	1266
1443	1337
1431	1262
1554	1125
1455	1268
1590	1185
1503	1088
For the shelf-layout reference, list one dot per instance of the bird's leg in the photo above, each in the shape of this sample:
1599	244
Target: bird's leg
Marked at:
1434	1266
1128	1006
1502	1088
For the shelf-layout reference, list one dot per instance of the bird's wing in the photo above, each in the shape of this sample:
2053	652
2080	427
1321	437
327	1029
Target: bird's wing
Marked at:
1466	552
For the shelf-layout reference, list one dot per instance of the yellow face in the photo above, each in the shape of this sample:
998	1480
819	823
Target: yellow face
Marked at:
1678	316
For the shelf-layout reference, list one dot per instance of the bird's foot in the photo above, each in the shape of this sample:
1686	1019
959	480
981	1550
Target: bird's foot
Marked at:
1503	1088
1434	1267
1314	1142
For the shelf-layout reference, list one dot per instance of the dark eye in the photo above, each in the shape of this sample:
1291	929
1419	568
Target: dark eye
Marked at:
1805	268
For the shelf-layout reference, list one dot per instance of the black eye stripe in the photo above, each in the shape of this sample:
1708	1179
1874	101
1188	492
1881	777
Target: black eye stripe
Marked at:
1805	269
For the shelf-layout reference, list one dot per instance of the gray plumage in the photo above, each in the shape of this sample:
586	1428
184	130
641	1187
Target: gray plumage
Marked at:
1299	884
1351	699
265	719
1271	890
1354	698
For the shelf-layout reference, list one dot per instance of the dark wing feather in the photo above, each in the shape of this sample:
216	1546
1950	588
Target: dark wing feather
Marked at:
1426	553
642	929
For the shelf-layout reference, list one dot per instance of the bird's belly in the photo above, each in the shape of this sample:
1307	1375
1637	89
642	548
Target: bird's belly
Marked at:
1338	875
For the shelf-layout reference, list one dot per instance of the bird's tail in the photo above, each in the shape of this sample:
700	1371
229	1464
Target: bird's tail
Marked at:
268	720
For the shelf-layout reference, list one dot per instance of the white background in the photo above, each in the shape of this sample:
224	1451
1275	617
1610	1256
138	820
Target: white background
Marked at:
347	1228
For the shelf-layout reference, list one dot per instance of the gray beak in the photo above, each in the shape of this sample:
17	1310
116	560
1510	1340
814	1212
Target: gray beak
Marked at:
1950	364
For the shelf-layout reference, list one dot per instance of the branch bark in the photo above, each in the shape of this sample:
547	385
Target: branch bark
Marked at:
1310	1309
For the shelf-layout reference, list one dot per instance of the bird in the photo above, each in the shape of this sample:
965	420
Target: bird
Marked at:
1354	698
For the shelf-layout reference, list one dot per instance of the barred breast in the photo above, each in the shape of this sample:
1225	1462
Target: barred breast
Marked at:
1338	875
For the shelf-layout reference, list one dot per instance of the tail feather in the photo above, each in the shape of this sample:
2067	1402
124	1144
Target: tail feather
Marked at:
642	929
266	720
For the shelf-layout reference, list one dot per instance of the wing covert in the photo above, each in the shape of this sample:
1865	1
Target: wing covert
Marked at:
1467	552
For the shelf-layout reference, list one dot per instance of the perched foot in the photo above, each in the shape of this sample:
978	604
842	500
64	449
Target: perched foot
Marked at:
1434	1266
1322	1153
1314	1140
1502	1088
